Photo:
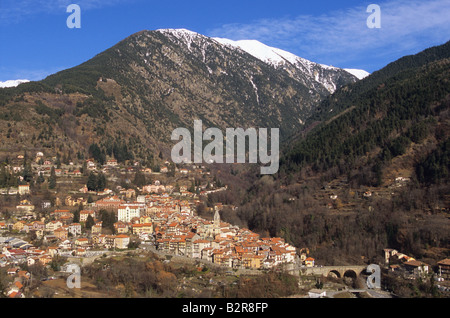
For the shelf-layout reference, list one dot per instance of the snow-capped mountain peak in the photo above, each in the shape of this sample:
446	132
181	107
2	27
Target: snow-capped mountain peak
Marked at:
13	83
360	74
270	55
179	32
182	34
291	62
261	51
317	76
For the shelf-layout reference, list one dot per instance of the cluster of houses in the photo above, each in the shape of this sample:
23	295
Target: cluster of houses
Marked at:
161	215
21	279
414	268
169	223
397	261
13	252
173	227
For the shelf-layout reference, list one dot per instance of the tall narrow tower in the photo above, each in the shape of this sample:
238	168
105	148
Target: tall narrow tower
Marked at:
217	219
216	224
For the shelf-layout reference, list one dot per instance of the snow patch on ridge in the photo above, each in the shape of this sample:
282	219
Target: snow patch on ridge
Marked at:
182	34
270	55
260	51
13	83
360	74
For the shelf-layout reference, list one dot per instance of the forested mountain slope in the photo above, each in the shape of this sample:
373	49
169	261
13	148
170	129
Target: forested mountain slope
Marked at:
371	170
133	95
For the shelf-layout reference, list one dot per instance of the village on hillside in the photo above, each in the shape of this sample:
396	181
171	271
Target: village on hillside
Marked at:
80	222
74	212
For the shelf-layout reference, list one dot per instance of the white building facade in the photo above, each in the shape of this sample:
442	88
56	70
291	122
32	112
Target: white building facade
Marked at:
126	213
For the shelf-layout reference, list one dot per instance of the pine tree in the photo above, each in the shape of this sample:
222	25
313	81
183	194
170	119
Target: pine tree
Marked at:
76	216
101	182
92	184
52	179
97	154
27	173
58	161
3	177
84	169
89	222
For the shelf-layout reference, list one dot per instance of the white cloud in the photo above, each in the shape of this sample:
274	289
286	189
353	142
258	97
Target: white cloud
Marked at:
343	36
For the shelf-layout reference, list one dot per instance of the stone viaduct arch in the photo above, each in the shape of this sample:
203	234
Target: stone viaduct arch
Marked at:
335	271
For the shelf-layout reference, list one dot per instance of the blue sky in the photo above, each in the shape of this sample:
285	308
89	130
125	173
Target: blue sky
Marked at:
36	42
